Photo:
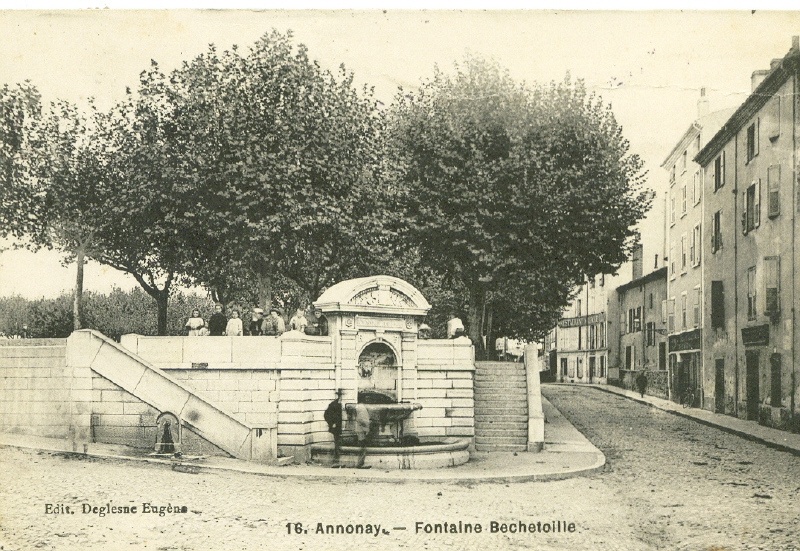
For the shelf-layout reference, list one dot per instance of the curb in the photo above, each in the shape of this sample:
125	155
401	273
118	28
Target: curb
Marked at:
343	474
706	422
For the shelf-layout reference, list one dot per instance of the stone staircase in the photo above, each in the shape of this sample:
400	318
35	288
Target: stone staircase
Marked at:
501	407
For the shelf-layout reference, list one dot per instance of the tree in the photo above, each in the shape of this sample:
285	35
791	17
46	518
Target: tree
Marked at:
518	191
274	162
54	191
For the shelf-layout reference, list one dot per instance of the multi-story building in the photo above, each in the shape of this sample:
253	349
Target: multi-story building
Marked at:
577	348
684	238
640	342
752	345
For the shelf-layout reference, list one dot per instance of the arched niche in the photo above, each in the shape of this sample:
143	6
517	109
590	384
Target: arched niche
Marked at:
377	370
168	434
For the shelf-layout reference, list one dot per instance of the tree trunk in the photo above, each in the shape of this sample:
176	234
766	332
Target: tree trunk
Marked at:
264	291
77	305
477	296
491	352
162	300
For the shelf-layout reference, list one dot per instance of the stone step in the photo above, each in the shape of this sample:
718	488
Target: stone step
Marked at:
491	424
515	370
501	447
501	440
511	419
481	432
501	384
489	410
505	401
513	392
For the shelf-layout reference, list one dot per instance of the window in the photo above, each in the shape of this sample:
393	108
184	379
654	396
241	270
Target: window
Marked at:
683	162
684	252
696	308
664	311
563	367
774	118
591	283
602	366
672	175
578	308
751	213
672	259
696	187
602	280
774	191
697	144
637	319
693	260
772	285
671	315
716	232
751	293
651	301
683	200
719	171
671	209
602	330
683	310
651	333
751	147
717	305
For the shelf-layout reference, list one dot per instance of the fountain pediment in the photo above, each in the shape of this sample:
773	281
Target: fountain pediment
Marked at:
375	294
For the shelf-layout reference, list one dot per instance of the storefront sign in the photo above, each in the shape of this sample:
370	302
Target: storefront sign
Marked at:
685	341
583	320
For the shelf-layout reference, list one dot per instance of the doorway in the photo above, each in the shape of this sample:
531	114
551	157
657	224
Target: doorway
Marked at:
751	383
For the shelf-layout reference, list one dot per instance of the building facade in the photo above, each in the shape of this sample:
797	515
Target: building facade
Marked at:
683	303
641	343
750	168
577	348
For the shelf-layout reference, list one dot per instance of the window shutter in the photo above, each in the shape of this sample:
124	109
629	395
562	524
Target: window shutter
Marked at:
774	191
774	118
717	305
722	169
744	211
757	205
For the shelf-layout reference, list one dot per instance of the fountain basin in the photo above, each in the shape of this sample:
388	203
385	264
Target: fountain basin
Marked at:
448	452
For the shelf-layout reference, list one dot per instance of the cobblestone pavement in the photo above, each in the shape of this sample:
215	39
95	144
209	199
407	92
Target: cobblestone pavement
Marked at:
671	484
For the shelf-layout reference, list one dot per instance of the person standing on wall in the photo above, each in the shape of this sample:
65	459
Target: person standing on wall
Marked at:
218	322
234	326
455	327
195	324
274	324
254	327
298	321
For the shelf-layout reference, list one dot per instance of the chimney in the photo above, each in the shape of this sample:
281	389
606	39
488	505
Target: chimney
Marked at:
796	43
636	261
774	63
702	104
757	78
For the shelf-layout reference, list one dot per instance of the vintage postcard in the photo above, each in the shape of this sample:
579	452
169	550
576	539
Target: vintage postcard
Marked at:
399	279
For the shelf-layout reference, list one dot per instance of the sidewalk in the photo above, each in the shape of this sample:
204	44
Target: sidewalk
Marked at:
774	438
566	453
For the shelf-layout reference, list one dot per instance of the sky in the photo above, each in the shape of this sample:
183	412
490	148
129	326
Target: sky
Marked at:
649	65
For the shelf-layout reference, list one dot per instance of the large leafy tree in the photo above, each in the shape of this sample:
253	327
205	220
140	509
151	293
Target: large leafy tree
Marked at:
517	191
274	162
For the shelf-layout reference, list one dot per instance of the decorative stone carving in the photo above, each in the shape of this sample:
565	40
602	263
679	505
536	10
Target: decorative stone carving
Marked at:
381	296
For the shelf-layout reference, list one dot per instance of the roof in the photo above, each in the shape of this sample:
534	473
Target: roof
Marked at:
655	275
752	105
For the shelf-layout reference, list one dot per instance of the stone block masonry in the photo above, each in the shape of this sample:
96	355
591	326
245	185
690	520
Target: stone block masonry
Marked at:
36	389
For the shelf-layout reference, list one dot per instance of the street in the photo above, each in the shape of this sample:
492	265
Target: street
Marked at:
670	484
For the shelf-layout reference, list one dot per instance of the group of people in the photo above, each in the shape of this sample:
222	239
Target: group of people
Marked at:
273	324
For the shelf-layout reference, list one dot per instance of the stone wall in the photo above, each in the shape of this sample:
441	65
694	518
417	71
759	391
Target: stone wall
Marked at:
118	417
656	382
36	388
